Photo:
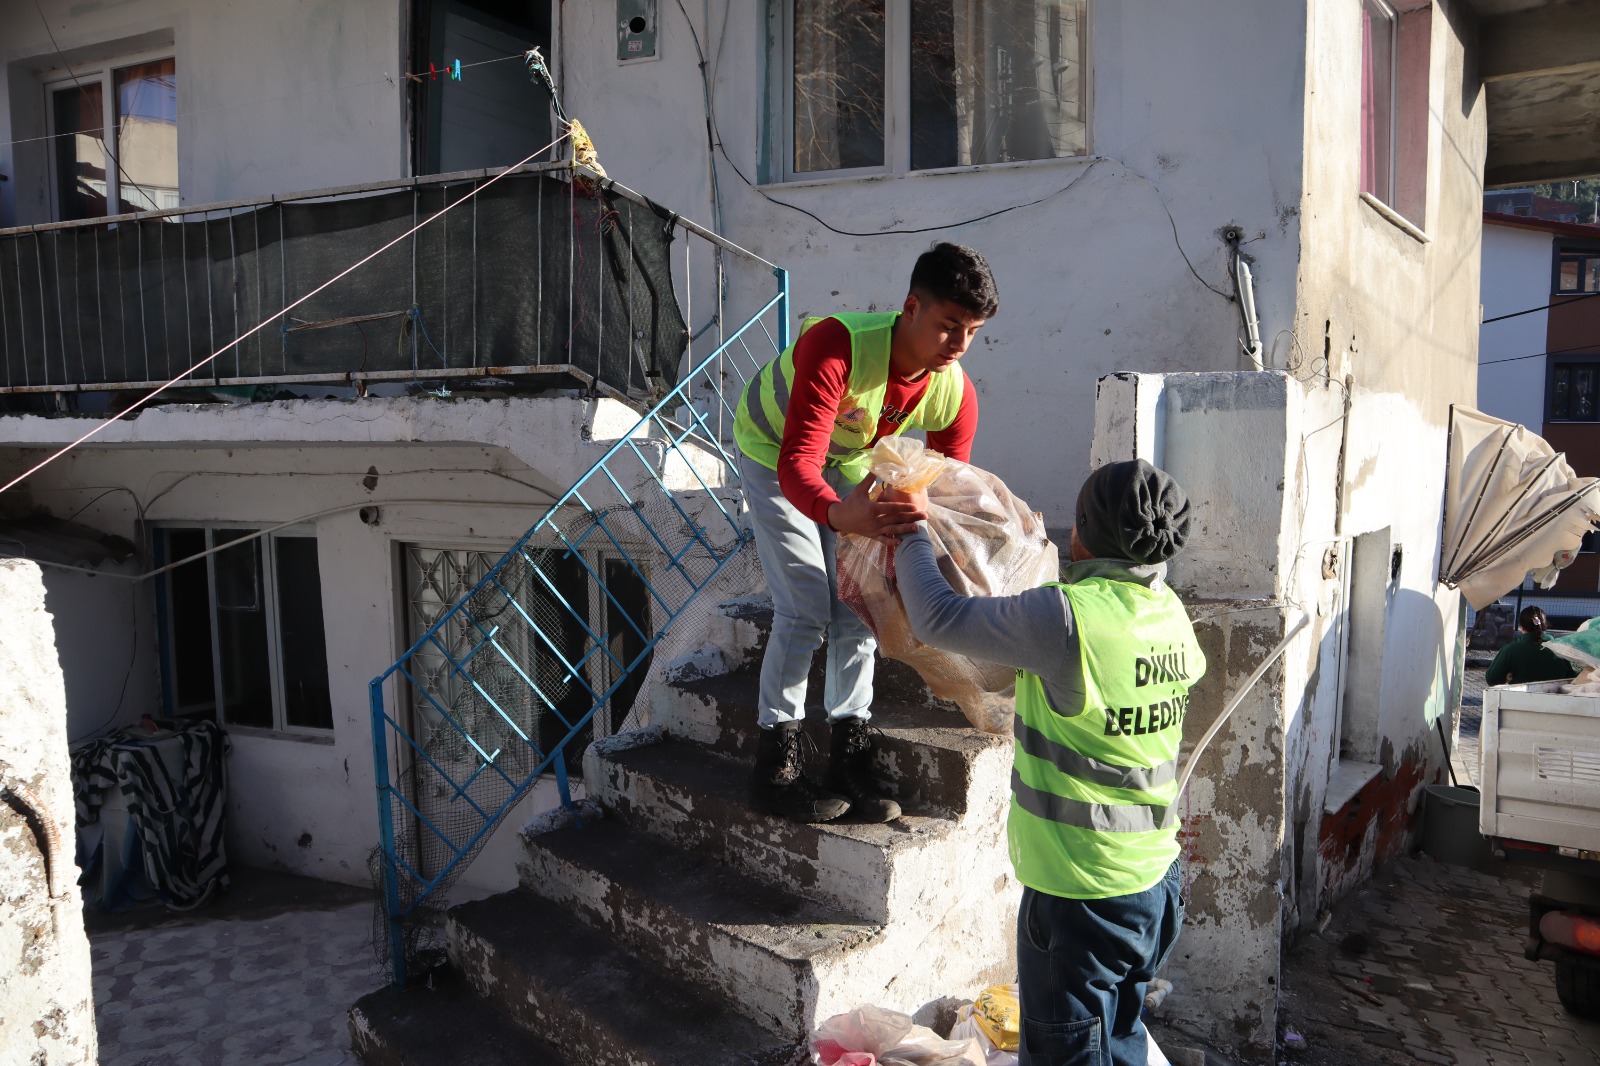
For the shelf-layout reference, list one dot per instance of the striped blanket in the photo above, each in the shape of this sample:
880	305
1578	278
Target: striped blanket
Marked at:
177	813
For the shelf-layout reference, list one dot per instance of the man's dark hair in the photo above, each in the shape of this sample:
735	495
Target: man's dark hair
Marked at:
956	273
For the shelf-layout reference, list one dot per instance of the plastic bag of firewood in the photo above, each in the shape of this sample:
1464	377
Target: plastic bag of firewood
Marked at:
988	543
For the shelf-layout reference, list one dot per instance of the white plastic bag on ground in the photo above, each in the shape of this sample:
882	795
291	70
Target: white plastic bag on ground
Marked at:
988	543
967	1028
888	1038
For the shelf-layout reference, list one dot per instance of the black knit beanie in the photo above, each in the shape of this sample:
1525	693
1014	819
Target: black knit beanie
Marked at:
1131	510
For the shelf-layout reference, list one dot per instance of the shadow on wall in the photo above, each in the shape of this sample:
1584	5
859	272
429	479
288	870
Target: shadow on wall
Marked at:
105	640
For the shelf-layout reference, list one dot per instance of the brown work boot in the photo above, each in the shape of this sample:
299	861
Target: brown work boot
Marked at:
780	786
851	774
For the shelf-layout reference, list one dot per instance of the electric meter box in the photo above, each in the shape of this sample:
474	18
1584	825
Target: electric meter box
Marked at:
636	30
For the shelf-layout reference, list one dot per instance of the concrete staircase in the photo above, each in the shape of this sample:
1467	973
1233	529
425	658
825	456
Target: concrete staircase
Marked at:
664	922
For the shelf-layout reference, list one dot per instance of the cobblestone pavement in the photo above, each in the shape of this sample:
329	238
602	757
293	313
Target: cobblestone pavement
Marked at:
1424	964
229	987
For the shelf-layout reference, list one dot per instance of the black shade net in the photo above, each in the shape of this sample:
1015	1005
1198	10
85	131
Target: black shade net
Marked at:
533	272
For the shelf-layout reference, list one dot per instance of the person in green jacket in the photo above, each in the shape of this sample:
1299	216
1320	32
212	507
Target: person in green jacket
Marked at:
1105	660
1526	659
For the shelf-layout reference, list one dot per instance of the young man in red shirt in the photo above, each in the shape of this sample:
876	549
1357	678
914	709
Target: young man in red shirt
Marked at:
805	426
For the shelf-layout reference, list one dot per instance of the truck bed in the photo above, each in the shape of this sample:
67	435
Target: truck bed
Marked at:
1541	766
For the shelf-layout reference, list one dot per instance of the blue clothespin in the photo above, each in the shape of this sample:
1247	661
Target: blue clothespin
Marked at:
455	73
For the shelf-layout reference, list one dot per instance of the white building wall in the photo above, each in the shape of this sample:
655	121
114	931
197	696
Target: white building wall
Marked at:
1516	277
272	97
1392	308
1092	279
308	805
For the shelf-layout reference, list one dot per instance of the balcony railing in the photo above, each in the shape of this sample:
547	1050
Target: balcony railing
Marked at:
551	646
538	275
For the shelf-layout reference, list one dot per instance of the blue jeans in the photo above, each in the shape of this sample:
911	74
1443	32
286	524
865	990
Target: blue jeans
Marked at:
1083	965
798	564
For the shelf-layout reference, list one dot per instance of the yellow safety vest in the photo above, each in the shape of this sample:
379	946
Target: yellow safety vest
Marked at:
759	424
1091	785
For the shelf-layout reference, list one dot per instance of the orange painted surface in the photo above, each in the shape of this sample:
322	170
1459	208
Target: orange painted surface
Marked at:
1371	829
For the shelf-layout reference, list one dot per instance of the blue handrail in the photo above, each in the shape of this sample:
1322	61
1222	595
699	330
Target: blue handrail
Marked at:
522	612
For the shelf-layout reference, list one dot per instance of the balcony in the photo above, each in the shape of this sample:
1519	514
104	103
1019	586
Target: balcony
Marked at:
1540	61
539	281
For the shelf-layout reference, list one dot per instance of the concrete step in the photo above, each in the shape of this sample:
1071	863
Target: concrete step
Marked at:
737	639
441	1022
573	987
764	950
684	793
928	757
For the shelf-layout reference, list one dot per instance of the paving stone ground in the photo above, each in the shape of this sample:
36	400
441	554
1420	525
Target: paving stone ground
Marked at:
1424	964
263	978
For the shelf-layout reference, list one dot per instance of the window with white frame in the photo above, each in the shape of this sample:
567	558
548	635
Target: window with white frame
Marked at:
114	130
890	86
243	633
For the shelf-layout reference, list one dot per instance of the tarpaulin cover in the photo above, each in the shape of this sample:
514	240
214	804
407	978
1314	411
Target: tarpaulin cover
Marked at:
1511	503
532	272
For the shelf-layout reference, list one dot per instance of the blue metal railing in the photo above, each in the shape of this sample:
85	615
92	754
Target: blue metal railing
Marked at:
510	678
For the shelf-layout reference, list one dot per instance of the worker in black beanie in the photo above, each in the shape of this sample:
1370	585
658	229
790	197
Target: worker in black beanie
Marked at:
1105	660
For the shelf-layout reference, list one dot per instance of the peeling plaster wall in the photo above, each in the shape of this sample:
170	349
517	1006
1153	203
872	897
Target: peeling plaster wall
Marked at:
278	97
1223	436
46	1015
1091	279
1397	317
301	805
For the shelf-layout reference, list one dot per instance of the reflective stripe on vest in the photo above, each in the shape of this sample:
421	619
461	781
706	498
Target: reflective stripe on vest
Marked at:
1090	785
1081	766
760	434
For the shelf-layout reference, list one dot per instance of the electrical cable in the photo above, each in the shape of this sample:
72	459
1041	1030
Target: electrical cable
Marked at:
1570	297
1541	355
105	145
489	472
277	316
115	488
714	134
323	513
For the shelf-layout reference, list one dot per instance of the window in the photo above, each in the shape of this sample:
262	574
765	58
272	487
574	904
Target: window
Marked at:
1577	271
1396	46
134	166
1574	391
491	117
876	86
1377	99
243	636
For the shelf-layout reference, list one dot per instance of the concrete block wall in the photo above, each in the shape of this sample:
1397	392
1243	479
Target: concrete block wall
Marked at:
46	1009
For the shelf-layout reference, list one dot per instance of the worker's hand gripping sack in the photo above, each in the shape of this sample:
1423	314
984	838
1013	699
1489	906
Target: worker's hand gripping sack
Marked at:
988	543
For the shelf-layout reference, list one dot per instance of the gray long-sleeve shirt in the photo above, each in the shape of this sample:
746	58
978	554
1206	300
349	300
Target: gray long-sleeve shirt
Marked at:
1032	631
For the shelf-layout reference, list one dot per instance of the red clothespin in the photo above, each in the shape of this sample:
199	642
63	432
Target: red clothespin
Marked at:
433	72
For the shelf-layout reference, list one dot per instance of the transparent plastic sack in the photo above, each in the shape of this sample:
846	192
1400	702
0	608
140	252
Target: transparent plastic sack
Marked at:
988	543
877	1036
